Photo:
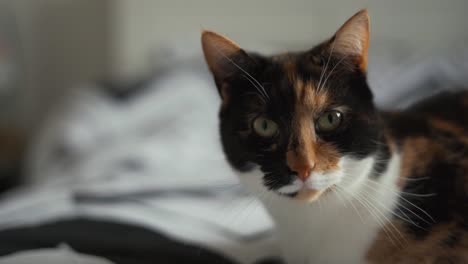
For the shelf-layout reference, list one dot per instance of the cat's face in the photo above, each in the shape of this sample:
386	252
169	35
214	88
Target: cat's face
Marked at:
303	121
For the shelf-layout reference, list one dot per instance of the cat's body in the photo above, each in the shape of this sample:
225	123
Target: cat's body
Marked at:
344	182
414	190
432	140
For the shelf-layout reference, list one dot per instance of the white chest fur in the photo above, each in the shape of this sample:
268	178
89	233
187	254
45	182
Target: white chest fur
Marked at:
337	228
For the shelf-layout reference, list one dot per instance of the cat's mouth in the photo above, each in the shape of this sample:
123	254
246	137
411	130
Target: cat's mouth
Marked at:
311	189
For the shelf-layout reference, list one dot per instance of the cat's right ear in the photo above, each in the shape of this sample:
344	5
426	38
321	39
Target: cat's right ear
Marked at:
352	39
224	58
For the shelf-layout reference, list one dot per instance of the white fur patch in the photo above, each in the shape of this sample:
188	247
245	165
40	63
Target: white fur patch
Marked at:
335	228
295	186
320	181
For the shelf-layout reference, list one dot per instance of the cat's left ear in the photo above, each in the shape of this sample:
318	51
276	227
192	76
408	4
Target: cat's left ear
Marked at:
223	56
225	59
352	39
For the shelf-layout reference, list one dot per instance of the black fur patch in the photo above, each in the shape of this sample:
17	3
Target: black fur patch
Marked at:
359	135
449	106
446	205
383	156
445	177
453	239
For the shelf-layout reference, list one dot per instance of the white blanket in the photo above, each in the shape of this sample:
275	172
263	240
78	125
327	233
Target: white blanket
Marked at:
156	157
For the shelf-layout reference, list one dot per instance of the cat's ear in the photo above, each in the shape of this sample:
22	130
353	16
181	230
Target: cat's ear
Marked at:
352	39
224	57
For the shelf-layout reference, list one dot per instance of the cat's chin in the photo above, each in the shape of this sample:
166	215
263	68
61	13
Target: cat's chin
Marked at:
309	195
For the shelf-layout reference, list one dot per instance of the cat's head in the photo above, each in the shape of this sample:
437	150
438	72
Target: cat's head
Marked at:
304	120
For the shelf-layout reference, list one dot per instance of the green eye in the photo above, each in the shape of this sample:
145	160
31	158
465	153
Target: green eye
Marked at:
265	127
329	121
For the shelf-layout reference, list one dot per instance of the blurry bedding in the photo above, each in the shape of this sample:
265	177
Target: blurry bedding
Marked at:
135	174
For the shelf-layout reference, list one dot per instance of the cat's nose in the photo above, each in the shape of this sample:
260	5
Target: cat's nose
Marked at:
303	172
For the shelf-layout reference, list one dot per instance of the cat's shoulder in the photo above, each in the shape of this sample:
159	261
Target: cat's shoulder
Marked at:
431	138
441	114
432	132
451	106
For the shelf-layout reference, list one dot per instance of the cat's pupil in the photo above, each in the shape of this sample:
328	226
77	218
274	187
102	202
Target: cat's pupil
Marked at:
265	125
330	118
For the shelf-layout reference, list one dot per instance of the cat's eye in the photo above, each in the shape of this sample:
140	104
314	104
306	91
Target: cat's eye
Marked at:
265	127
329	121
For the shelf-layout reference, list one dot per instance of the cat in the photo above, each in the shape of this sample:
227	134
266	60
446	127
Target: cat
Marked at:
343	181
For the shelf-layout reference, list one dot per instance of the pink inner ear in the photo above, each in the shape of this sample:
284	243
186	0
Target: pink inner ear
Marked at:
216	48
352	39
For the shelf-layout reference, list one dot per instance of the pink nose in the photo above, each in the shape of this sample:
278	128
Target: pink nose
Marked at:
303	172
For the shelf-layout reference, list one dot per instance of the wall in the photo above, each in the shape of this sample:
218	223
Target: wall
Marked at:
145	25
64	42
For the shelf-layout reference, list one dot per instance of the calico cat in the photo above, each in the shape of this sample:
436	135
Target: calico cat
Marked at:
343	181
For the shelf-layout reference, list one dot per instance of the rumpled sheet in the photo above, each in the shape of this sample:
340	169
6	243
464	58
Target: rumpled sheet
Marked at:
154	159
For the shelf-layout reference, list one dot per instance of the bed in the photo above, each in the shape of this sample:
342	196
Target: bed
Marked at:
134	173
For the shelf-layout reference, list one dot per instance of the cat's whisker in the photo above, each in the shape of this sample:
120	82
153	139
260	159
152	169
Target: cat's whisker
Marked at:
326	65
399	204
414	179
378	142
260	96
403	192
381	223
259	87
419	195
328	76
359	155
406	218
406	200
376	217
374	196
337	193
352	204
385	218
263	95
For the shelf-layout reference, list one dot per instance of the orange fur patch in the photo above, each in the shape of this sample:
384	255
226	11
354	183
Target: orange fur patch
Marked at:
447	126
290	70
412	151
390	141
309	151
458	131
308	99
417	154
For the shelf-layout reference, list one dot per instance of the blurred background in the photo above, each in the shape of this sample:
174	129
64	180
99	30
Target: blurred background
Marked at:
107	112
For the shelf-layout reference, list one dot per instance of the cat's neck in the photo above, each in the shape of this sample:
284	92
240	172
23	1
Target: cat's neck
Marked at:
345	219
341	225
